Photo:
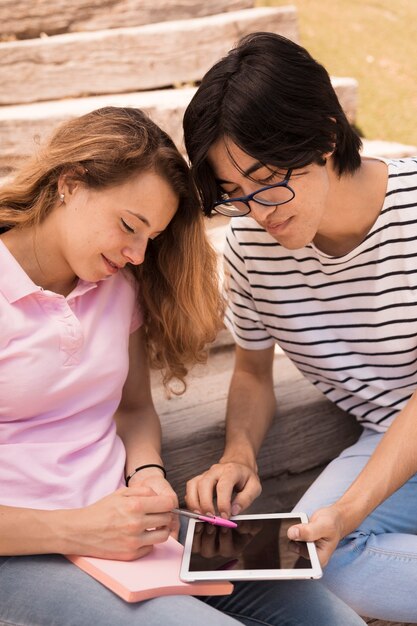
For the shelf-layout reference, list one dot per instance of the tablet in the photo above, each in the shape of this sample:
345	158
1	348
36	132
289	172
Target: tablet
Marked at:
258	549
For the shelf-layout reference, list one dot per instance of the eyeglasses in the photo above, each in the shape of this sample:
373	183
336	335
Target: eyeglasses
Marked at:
271	195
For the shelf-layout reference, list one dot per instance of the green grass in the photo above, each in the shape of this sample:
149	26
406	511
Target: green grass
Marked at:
374	41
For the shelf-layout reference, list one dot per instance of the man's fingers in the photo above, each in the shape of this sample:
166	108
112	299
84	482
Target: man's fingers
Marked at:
325	542
301	532
244	498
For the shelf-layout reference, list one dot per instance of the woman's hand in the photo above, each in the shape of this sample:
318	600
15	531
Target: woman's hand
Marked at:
154	479
235	486
124	525
325	528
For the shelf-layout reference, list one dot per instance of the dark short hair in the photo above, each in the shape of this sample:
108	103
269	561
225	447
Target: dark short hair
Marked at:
273	100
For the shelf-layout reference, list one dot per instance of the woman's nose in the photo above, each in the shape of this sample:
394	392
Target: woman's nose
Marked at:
135	254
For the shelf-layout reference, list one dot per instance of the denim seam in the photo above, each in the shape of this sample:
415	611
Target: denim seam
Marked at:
397	555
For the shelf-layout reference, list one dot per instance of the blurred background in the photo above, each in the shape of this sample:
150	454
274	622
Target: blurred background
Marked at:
374	41
60	59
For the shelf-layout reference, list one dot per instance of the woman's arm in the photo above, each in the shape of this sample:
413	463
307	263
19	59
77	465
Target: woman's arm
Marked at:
391	465
117	526
138	423
123	525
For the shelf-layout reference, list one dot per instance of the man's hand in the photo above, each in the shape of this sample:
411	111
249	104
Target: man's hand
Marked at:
325	528
234	485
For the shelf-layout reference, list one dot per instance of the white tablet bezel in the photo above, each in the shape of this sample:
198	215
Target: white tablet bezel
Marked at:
258	574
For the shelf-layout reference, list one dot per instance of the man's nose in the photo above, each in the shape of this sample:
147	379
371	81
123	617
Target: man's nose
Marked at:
260	212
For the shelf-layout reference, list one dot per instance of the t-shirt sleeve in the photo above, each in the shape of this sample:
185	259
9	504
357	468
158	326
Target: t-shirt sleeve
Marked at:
242	317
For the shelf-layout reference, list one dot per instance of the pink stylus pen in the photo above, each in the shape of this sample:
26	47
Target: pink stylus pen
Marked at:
211	519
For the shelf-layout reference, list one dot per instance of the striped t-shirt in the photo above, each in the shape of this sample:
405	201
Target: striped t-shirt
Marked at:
348	323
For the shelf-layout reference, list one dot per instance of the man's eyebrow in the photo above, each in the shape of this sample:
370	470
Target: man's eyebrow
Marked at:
253	168
140	217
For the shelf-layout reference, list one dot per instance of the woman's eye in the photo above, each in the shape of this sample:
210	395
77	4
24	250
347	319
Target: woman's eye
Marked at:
126	226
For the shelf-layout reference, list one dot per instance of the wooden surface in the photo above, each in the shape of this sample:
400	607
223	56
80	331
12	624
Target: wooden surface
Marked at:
23	126
129	59
308	430
30	18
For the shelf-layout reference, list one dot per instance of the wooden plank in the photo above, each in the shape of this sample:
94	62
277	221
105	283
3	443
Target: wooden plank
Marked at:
129	59
23	19
22	127
308	430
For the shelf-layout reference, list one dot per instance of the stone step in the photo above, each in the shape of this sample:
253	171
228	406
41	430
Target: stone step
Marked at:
129	59
24	19
23	126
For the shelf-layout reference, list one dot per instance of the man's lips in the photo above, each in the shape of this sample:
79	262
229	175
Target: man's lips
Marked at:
277	226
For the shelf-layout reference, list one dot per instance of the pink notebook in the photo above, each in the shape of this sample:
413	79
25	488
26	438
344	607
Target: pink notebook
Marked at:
156	574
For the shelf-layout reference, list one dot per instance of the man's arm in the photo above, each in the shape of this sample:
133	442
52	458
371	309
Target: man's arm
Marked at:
391	465
250	409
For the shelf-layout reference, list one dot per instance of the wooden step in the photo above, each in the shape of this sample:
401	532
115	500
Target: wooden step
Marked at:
129	59
193	424
22	127
23	19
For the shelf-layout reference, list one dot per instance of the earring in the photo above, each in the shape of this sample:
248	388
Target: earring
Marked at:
62	197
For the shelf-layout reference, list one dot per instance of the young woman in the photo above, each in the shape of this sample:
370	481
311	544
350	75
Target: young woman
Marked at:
105	271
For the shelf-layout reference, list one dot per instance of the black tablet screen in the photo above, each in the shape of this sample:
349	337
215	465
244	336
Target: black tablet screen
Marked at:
254	544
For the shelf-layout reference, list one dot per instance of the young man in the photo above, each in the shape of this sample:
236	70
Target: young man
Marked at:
321	258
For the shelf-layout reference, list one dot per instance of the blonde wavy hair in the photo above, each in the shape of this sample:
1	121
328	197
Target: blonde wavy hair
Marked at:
178	283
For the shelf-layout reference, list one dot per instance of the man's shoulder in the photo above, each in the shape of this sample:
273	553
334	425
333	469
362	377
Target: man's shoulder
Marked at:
404	166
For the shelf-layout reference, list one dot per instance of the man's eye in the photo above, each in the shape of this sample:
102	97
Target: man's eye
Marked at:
269	179
230	194
273	176
128	228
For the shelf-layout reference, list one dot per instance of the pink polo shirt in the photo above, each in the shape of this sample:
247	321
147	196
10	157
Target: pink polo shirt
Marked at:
63	363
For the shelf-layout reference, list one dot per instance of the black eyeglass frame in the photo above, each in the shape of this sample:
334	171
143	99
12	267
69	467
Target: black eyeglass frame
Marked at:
251	196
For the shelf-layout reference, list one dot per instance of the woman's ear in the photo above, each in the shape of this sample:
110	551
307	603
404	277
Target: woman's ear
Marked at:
67	184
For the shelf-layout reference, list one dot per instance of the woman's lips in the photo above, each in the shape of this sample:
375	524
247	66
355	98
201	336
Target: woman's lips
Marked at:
112	267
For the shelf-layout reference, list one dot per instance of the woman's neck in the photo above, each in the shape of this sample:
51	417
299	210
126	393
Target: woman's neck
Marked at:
38	258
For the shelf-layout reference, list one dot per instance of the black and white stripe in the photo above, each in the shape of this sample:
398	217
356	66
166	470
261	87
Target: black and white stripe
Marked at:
349	323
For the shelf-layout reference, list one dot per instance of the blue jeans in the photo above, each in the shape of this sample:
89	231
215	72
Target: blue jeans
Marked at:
48	590
374	569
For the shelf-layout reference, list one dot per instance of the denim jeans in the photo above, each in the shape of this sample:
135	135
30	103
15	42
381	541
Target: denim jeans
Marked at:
48	590
374	569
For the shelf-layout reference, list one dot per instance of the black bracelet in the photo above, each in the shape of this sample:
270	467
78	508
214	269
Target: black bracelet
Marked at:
141	467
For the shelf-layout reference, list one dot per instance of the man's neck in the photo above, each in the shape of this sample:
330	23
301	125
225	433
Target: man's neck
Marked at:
354	204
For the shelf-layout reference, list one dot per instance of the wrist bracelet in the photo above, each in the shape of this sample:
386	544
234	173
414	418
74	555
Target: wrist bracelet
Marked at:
141	467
